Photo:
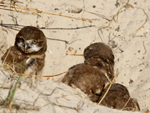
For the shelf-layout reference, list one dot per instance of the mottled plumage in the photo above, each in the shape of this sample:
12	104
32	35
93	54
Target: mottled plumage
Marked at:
89	79
100	55
90	76
28	51
118	98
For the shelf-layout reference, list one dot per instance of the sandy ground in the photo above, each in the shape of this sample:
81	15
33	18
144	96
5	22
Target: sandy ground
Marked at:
123	25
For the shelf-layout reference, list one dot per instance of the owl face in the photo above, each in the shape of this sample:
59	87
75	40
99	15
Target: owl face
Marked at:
31	40
29	46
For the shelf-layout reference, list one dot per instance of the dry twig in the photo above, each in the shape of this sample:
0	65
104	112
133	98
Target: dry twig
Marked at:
144	47
34	11
54	75
108	89
126	103
142	26
73	86
67	107
77	54
6	57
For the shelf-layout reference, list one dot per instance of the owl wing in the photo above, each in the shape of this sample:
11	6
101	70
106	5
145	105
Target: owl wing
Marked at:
15	59
12	55
88	79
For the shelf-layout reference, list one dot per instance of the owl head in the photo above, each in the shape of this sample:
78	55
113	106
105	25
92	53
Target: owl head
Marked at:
99	51
31	40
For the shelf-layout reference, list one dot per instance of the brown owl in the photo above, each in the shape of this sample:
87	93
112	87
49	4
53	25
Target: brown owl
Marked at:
118	98
100	55
89	79
90	76
28	51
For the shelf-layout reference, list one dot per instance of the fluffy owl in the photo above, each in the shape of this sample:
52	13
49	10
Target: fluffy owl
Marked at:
100	55
28	53
118	98
90	76
89	79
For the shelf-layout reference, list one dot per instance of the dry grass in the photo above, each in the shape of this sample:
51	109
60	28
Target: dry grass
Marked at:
26	10
77	54
142	26
8	101
32	11
108	88
53	75
126	103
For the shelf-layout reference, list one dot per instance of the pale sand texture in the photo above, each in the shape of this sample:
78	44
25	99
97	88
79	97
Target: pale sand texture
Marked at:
129	42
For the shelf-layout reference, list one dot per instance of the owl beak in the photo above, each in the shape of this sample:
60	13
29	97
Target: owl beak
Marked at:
26	47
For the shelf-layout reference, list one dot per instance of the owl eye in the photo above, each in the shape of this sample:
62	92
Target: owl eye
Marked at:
35	42
21	39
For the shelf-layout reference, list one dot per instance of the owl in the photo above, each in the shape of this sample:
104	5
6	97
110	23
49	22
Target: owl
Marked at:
100	55
118	97
90	76
28	53
89	79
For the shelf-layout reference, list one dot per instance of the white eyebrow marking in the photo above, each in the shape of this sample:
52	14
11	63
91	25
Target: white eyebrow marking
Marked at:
29	41
35	48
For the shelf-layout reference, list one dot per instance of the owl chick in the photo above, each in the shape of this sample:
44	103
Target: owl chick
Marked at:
100	55
118	98
90	76
89	79
28	53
